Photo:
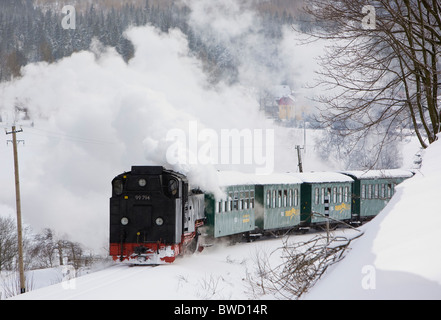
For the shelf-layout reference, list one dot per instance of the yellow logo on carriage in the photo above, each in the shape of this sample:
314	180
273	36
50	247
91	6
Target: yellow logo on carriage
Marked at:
245	218
291	213
341	207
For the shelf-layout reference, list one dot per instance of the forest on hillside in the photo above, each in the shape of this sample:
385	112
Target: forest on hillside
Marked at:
31	30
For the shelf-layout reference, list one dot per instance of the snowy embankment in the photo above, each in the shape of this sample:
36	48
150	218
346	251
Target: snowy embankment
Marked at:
218	272
399	256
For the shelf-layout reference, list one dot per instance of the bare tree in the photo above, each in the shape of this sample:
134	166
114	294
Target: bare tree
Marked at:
10	283
8	243
302	265
44	249
382	68
74	254
358	154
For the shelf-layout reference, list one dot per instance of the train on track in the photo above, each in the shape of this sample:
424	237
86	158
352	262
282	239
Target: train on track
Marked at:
155	216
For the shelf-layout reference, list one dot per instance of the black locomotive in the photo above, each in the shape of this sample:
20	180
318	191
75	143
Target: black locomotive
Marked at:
153	215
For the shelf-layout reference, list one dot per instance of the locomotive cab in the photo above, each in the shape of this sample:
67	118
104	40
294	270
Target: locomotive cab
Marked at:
148	215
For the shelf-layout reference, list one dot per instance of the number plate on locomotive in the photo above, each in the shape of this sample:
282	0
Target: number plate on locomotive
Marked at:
142	197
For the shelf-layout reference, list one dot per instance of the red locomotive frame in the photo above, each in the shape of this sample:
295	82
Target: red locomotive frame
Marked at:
155	253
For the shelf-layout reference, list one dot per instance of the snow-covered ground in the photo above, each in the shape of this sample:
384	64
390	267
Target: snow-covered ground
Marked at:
219	272
398	257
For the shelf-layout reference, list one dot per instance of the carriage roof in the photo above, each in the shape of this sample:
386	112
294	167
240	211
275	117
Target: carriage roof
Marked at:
230	178
323	177
379	174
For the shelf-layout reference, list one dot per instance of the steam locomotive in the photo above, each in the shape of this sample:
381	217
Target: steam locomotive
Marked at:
155	216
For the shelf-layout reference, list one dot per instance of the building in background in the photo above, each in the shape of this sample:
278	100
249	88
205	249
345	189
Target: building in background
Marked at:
279	103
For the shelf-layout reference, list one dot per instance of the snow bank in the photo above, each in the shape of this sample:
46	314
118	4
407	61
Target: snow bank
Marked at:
399	255
218	272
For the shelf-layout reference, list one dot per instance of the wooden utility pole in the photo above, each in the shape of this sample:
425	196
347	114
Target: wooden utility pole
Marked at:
299	156
18	206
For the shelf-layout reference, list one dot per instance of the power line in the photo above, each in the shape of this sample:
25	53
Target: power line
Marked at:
53	134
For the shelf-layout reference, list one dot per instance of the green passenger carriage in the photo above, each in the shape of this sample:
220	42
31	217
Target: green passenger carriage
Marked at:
372	190
278	202
253	203
317	187
233	212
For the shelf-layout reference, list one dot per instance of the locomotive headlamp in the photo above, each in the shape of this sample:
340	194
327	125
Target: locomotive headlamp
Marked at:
159	221
142	182
124	221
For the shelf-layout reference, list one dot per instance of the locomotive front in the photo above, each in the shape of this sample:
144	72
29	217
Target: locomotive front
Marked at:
146	215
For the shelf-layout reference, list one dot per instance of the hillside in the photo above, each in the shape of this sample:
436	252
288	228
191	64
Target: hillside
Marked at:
290	6
35	33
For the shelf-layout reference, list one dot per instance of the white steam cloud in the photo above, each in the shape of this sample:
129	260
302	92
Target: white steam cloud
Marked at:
95	116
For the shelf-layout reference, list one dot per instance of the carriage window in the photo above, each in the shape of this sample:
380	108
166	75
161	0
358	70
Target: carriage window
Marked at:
246	201
230	201
236	201
382	189
296	197
340	194
316	195
389	190
290	197
334	196
346	194
279	199
268	199
251	199
322	200
369	195
376	191
274	199
363	191
285	198
241	201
